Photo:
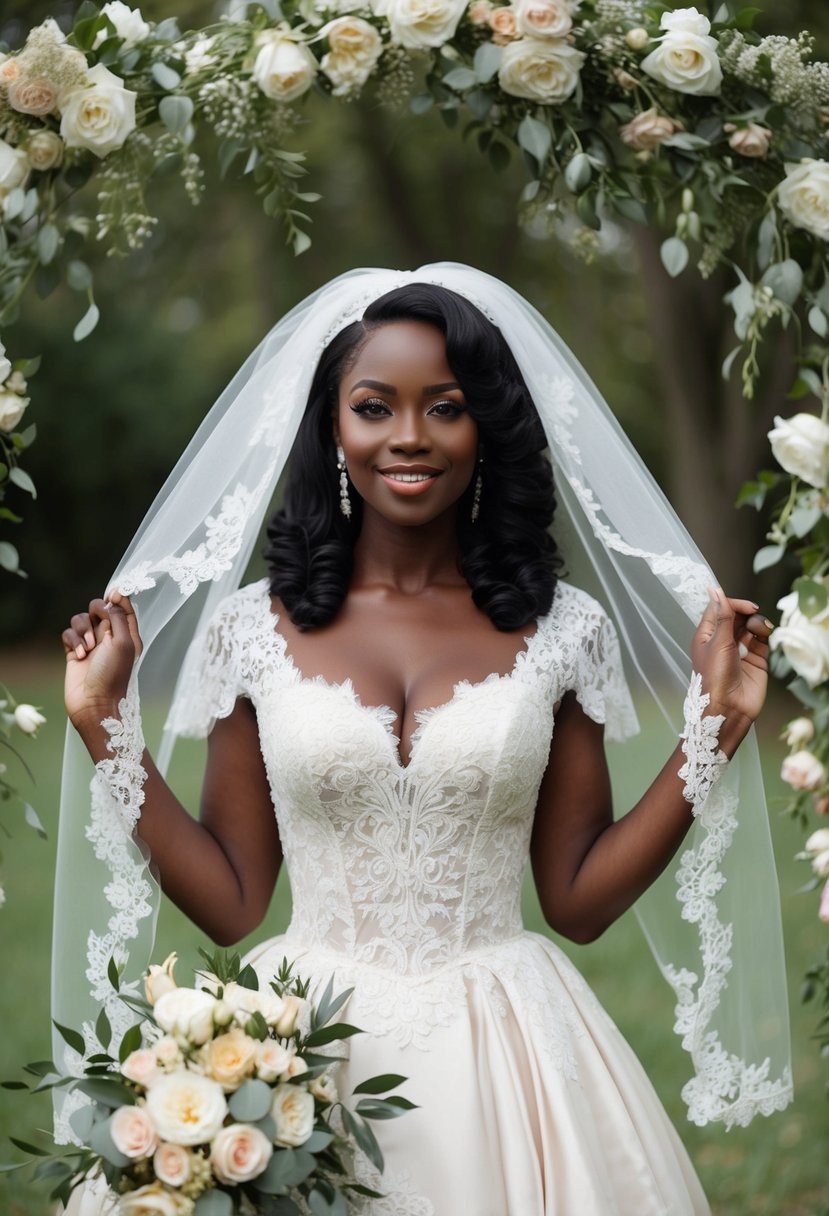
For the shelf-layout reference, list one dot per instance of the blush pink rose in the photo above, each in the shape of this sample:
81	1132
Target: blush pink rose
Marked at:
132	1131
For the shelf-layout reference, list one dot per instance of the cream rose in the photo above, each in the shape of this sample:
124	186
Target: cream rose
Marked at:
240	1152
479	12
27	718
160	979
751	140
803	771
187	1014
798	732
293	1009
230	1058
801	445
141	1067
9	71
245	1001
637	38
12	409
128	22
45	150
132	1131
167	1051
686	59
5	364
153	1200
503	24
323	1087
98	118
293	1114
284	69
416	24
540	70
272	1059
186	1108
823	911
296	1066
171	1164
543	18
14	167
803	196
804	640
817	849
356	47
33	95
647	130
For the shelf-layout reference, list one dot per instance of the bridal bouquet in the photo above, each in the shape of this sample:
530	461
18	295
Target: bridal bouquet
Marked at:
219	1101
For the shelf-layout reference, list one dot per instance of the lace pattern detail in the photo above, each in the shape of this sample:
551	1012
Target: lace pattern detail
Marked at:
700	736
399	1196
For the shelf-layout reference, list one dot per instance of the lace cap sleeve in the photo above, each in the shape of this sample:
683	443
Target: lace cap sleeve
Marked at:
595	672
213	672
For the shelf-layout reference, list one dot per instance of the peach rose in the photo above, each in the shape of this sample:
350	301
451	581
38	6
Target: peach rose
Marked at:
9	71
230	1058
132	1131
292	1011
171	1164
272	1059
35	95
543	18
751	140
240	1152
141	1067
647	130
479	12
503	24
803	771
296	1067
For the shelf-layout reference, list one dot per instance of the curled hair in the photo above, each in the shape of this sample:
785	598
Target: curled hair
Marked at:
507	556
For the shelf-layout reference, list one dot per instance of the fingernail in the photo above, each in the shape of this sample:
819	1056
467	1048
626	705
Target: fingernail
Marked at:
89	637
80	652
769	624
742	649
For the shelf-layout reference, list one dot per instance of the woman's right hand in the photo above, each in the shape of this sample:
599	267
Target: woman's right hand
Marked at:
101	646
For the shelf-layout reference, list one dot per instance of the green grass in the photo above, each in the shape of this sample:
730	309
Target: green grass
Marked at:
776	1167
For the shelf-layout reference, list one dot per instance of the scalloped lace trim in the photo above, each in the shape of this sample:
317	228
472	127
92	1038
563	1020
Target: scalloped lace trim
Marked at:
700	743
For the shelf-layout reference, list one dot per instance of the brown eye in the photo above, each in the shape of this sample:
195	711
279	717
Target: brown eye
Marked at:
371	407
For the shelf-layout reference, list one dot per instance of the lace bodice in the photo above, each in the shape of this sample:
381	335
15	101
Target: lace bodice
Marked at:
408	868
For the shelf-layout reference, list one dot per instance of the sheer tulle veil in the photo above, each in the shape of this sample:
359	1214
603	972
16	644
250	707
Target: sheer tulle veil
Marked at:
712	920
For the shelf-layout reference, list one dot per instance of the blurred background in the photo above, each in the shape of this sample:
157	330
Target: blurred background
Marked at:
178	318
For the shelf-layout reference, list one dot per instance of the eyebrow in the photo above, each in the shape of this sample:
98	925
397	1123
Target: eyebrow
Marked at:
429	390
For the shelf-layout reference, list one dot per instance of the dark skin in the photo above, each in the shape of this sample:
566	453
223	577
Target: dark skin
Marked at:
406	634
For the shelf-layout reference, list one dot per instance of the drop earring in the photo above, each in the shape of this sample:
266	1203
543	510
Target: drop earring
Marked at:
345	501
476	497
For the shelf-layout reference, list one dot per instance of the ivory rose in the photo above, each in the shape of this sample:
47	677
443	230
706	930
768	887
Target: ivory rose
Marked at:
647	130
293	1009
12	409
801	445
186	1108
187	1014
172	1164
14	167
154	1200
324	1087
803	771
98	118
240	1152
355	48
45	150
798	732
272	1059
543	18
540	69
230	1058
129	24
295	1068
804	640
416	24
817	849
750	140
479	12
245	1001
141	1067
686	58
132	1131
293	1114
33	95
160	979
284	69
167	1051
803	196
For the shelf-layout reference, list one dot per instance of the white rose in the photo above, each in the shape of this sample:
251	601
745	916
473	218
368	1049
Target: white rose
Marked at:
686	58
27	718
186	1108
98	118
803	196
355	48
324	1087
284	69
801	445
12	409
272	1059
543	18
187	1014
14	167
293	1114
804	640
141	1067
803	771
132	1132
540	70
45	150
5	364
240	1152
160	979
171	1164
647	130
416	24
246	1001
153	1200
817	848
128	22
798	732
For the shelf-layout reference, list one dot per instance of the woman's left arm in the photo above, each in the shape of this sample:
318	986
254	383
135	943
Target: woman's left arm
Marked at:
589	869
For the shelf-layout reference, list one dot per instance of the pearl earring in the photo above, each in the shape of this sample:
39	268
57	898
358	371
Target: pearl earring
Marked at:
476	498
345	501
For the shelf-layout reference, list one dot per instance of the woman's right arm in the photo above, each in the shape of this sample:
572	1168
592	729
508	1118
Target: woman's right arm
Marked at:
221	869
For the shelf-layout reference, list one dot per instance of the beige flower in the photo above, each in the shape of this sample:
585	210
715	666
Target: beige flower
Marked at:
293	1114
803	771
817	849
293	1009
98	118
160	979
804	640
240	1152
647	130
172	1164
543	18
324	1087
187	1014
540	69
186	1108
230	1058
272	1059
167	1051
283	69
129	24
14	167
624	78
803	197
638	38
750	140
33	95
502	22
141	1067
417	24
798	732
12	409
355	49
132	1131
479	11
45	150
154	1200
801	445
295	1067
9	71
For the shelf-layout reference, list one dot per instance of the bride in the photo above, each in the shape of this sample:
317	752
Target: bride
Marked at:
411	704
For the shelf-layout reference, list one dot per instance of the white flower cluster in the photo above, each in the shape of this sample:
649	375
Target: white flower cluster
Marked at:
794	79
13	401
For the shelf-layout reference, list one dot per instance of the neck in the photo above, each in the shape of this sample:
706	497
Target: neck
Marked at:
406	560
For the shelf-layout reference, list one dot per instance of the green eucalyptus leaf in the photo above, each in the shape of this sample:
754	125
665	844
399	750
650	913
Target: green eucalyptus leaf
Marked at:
674	255
420	103
535	137
214	1203
631	208
818	321
130	1042
71	1037
175	112
769	555
578	173
487	61
166	76
785	279
766	234
78	275
14	203
100	1140
22	479
802	520
87	323
379	1084
812	596
33	820
460	79
251	1101
48	240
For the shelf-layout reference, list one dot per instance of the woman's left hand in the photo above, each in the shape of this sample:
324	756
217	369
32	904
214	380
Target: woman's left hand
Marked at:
730	651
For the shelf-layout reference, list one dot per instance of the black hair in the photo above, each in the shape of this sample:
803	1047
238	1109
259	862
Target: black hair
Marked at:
507	556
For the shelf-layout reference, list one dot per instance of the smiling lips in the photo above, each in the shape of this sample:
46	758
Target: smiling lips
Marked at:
409	478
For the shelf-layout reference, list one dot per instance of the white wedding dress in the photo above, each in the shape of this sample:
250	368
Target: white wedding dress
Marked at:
406	884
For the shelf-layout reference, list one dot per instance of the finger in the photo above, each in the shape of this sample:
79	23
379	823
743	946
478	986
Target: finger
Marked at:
73	645
745	607
122	603
81	624
759	626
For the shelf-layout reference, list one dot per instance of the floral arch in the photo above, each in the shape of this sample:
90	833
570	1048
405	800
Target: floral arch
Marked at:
663	116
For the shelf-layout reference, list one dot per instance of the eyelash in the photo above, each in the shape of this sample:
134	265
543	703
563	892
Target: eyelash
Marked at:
364	408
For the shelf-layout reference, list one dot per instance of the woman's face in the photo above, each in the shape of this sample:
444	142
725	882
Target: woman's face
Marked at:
410	443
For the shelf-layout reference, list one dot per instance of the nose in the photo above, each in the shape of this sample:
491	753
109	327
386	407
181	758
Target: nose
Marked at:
411	432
